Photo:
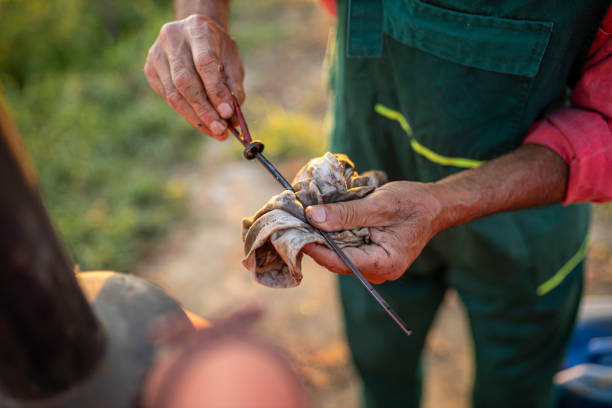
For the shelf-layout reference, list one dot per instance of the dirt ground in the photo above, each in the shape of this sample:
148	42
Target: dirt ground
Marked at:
199	262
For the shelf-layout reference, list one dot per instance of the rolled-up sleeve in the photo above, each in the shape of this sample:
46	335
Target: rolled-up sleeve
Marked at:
582	133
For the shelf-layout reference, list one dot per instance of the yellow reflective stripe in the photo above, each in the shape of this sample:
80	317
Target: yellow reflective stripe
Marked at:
393	115
432	156
419	148
443	160
569	266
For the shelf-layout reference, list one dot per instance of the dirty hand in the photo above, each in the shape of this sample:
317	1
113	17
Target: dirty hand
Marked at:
194	64
402	217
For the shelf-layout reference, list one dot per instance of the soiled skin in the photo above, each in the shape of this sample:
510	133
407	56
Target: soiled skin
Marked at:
402	216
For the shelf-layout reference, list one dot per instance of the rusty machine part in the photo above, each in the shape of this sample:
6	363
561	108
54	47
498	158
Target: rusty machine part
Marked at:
66	340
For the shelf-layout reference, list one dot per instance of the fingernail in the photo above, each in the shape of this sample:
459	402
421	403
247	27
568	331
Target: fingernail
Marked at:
217	127
225	110
316	214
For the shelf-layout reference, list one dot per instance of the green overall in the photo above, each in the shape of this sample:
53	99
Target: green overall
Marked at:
423	89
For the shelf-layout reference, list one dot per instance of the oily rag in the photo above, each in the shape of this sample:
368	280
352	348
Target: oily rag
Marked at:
274	237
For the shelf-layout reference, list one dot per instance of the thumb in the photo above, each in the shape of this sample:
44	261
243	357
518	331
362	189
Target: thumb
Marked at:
342	216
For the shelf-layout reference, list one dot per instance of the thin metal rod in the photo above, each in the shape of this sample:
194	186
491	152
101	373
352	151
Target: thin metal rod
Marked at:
270	167
245	139
381	301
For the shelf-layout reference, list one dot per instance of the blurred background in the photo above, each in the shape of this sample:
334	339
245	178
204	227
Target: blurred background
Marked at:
132	187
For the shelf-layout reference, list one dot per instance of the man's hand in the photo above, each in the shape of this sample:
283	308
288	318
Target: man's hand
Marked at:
403	216
194	64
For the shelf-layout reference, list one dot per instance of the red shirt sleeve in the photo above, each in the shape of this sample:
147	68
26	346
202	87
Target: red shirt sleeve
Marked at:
330	6
582	134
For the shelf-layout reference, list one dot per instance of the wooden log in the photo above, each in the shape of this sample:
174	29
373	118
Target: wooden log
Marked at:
49	336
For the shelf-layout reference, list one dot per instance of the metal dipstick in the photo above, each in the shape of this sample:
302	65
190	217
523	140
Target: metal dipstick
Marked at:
254	150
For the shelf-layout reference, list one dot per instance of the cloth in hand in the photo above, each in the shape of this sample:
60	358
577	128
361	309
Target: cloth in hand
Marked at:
274	237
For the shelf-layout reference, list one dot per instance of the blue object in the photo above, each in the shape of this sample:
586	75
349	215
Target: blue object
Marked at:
586	378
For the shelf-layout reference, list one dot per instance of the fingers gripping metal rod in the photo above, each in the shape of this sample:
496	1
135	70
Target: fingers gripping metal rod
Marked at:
253	151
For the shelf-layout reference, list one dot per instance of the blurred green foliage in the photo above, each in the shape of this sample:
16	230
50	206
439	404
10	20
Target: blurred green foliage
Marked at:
253	23
104	144
286	133
291	134
42	36
106	147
